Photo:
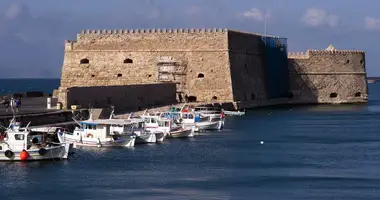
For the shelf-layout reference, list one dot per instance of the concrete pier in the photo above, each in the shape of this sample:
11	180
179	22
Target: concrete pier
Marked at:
35	110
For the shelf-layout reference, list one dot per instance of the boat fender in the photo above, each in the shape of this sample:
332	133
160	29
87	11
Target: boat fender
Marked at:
8	153
89	135
24	155
42	152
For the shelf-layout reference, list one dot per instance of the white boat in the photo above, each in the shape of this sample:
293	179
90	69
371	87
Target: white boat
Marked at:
19	145
232	113
202	124
168	126
101	133
145	137
160	135
187	118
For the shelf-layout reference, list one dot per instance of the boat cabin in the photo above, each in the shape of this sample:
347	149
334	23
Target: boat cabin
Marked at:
103	128
159	123
16	138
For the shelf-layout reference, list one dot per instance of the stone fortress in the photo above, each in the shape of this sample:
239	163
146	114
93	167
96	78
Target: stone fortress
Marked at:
161	66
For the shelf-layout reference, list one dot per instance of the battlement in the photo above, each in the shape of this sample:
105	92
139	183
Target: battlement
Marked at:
298	55
167	30
159	30
312	52
319	52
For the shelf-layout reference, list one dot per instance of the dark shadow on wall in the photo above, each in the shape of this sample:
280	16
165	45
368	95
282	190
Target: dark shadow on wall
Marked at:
302	89
124	98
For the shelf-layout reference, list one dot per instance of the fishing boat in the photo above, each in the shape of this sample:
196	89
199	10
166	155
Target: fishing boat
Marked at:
168	126
234	113
18	144
189	119
100	133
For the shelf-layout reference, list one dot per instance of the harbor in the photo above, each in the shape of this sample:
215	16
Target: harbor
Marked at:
193	100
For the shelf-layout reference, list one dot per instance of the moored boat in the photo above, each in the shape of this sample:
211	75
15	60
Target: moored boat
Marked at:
101	133
19	145
232	113
168	126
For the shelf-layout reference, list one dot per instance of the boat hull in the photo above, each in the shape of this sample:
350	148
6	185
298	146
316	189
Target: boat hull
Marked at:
182	133
233	113
160	136
123	141
208	125
56	152
146	138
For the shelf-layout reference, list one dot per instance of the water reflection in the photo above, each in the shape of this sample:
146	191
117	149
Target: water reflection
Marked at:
337	107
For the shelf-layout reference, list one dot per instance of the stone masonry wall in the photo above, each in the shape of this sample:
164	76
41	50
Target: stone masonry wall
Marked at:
328	76
247	66
131	97
202	53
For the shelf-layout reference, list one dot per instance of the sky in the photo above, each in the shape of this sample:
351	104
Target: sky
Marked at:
32	33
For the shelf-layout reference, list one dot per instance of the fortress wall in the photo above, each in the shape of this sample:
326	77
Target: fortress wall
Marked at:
130	97
152	40
319	73
204	52
247	66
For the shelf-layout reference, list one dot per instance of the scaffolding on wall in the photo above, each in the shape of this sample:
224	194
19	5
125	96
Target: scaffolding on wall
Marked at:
170	70
276	67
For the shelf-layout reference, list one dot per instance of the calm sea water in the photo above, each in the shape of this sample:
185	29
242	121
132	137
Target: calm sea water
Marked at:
318	152
10	86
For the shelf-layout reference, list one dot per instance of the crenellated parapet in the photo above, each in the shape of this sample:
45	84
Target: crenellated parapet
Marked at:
166	30
298	55
335	51
159	30
69	45
315	52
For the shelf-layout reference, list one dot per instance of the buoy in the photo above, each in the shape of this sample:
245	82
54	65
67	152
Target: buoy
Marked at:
262	142
24	155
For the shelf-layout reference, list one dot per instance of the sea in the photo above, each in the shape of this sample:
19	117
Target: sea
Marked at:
285	153
11	86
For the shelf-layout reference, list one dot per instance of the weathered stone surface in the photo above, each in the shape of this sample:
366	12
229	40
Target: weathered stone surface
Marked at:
318	74
209	64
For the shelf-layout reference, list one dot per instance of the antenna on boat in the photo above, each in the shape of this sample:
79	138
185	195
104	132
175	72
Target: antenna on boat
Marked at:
27	125
90	118
75	121
11	122
111	115
113	111
144	112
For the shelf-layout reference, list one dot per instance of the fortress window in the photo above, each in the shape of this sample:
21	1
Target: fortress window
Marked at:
192	99
84	61
119	75
358	94
333	95
93	75
214	98
150	75
361	61
128	60
200	75
348	61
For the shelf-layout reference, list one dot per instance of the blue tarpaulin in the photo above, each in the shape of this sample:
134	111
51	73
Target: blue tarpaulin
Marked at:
276	67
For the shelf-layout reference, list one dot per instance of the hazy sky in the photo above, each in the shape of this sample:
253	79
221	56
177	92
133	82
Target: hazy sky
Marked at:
32	33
